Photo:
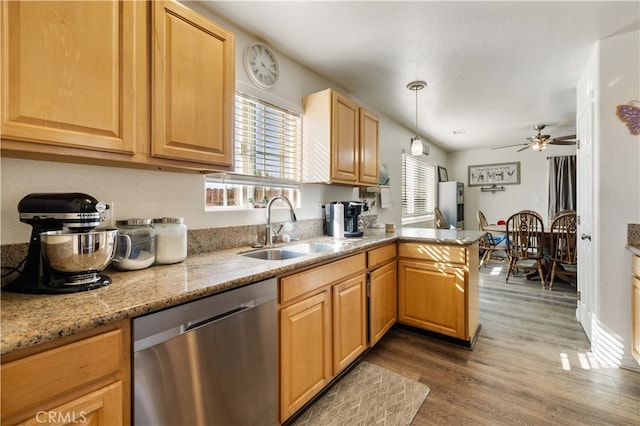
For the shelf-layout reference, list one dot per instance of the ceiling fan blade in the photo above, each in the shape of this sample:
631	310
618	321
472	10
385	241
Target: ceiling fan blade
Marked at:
557	142
510	146
564	138
523	148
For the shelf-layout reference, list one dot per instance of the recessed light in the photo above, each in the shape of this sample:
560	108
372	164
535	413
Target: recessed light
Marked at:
459	131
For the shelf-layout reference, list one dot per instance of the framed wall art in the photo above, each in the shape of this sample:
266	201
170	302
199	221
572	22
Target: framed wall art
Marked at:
495	174
442	174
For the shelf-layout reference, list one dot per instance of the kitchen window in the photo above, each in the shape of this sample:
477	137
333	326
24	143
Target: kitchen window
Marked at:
268	144
418	189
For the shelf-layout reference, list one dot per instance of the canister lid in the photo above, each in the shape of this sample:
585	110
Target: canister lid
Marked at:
171	220
134	222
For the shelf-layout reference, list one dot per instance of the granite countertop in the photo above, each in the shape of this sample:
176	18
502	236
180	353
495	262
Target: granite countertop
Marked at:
31	319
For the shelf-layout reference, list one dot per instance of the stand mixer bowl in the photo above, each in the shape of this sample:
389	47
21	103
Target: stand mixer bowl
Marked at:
79	255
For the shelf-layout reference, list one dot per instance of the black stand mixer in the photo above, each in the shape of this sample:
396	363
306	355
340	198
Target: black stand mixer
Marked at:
71	218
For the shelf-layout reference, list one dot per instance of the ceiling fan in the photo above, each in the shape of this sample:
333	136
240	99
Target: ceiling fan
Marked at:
540	141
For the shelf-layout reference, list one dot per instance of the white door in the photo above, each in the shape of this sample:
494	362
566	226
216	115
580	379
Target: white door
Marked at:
586	269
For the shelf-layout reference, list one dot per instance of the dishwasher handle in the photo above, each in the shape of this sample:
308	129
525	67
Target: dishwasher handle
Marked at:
193	325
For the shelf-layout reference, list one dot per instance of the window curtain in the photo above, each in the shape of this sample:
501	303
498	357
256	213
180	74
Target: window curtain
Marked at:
562	184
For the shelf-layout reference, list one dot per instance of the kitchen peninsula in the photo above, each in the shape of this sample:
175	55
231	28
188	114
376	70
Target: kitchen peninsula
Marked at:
437	290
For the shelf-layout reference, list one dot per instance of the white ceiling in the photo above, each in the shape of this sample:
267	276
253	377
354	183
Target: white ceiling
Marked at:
494	69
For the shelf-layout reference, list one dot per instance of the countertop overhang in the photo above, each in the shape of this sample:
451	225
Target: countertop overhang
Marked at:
28	320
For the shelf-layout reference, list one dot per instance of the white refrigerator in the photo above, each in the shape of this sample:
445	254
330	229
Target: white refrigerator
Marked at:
451	203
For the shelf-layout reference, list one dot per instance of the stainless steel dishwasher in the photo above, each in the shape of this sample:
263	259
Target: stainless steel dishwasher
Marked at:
209	362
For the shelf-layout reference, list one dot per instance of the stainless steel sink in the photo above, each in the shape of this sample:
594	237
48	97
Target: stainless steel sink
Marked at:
290	251
274	254
314	247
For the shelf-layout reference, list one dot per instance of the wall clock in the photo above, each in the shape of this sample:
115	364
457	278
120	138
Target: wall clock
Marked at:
261	65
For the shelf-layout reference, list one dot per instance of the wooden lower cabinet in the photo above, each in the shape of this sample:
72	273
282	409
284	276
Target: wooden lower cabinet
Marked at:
323	315
349	321
80	379
305	351
383	300
438	288
431	296
102	407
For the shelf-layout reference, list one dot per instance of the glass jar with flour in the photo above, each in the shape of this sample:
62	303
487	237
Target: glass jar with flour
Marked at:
143	249
171	240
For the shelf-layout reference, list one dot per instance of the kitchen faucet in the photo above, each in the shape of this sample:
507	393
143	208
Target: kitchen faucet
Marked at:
268	237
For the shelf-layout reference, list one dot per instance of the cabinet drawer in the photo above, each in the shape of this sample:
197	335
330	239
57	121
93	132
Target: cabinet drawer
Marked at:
433	252
381	255
31	380
635	266
298	284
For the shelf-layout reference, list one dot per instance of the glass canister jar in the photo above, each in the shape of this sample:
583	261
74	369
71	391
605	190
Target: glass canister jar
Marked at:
143	244
171	240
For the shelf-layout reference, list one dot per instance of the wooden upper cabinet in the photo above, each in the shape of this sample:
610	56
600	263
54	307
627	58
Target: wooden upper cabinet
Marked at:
67	73
368	148
340	141
345	139
193	86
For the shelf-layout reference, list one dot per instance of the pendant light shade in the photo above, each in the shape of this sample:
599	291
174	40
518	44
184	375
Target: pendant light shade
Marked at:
417	147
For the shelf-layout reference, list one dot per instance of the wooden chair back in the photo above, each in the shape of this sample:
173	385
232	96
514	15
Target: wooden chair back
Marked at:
563	238
525	231
482	221
439	221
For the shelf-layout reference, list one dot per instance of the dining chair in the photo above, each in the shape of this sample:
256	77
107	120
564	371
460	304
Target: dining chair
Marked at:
564	249
439	221
525	243
533	212
489	244
561	212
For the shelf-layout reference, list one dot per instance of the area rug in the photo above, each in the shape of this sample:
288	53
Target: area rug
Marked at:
367	395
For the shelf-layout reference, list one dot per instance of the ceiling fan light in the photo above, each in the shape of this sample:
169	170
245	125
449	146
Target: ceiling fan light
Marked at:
416	146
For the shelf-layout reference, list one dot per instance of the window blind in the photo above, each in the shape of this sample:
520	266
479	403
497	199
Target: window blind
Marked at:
418	186
267	142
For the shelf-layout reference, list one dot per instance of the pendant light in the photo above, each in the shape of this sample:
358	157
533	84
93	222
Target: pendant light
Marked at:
417	147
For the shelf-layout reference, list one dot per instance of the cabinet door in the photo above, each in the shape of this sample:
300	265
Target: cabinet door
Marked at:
368	148
101	408
349	321
193	87
68	75
431	296
383	310
305	351
344	139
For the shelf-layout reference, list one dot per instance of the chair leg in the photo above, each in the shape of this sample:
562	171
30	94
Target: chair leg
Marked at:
553	274
510	268
485	257
541	273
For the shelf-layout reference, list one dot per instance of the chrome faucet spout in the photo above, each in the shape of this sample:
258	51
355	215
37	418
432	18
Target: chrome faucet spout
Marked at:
268	237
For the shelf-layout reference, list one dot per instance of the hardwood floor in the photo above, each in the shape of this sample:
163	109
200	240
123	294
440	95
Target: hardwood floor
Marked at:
531	364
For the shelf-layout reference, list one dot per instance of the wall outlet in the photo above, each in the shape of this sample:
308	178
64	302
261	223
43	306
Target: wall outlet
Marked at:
107	216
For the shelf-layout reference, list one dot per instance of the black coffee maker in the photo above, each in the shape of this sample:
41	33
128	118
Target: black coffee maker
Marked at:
353	225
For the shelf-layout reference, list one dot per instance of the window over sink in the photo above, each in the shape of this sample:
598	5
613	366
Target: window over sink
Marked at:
268	145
